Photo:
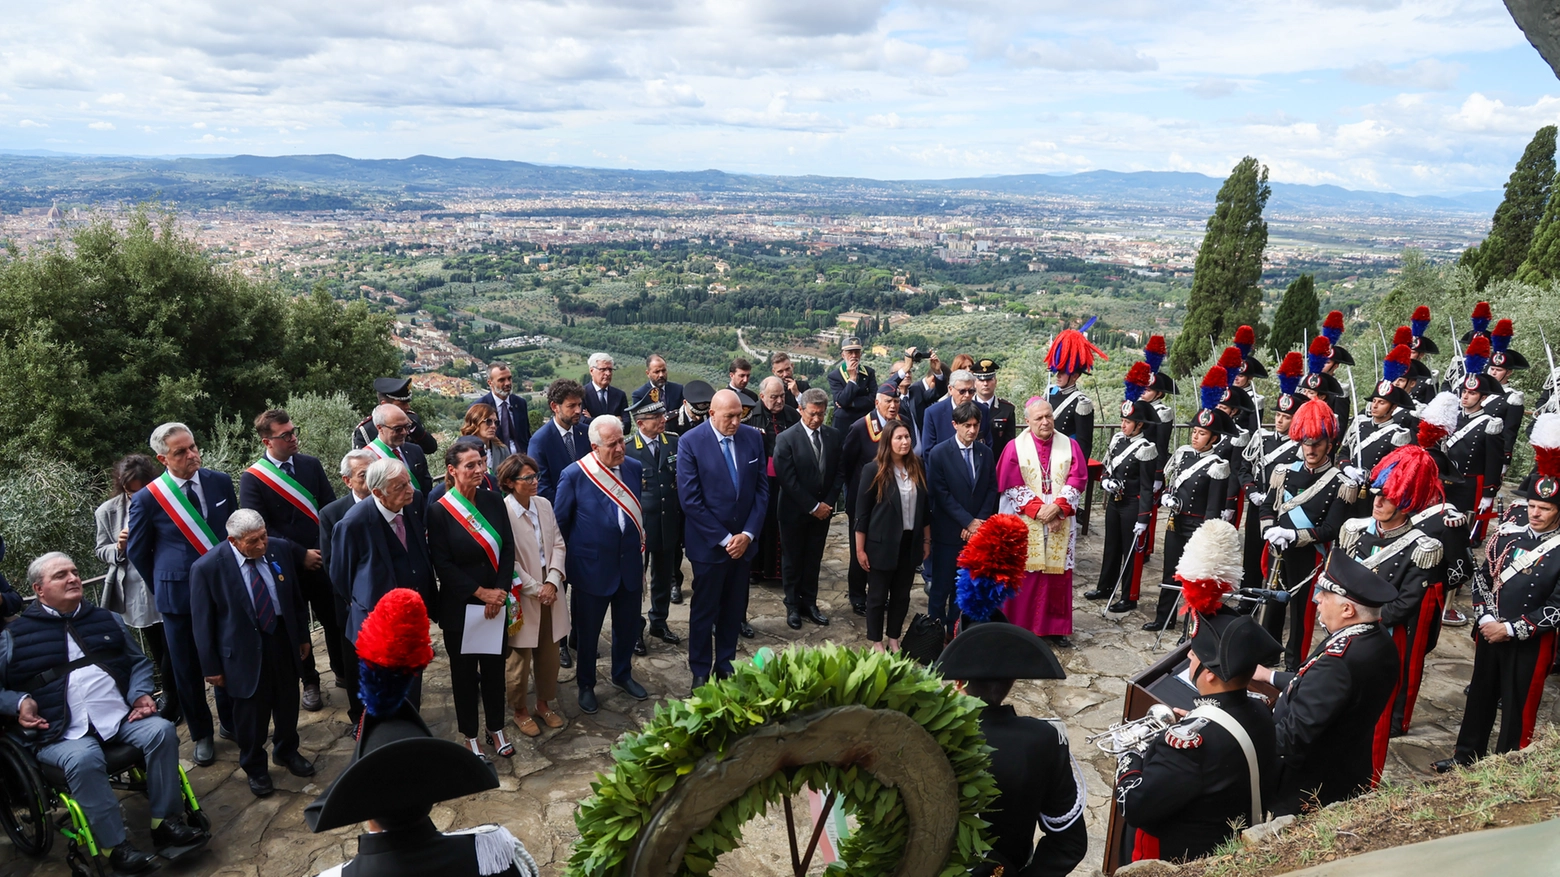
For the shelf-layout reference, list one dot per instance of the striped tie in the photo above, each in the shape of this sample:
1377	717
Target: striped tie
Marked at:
265	613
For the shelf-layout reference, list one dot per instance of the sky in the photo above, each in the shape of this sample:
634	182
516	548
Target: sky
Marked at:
1411	96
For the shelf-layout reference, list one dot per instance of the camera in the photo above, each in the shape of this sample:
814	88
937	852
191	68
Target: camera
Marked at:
919	355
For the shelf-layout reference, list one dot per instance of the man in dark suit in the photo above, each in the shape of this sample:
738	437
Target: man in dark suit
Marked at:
601	519
852	385
514	420
858	447
288	489
656	451
601	398
562	439
937	423
252	632
780	366
961	476
173	521
771	418
354	469
381	544
724	492
809	478
394	425
397	392
657	387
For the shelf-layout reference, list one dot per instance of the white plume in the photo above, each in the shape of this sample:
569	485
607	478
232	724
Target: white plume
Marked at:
1442	411
1546	431
1213	552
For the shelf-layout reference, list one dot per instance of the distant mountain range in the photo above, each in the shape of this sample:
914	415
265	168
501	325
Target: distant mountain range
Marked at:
301	182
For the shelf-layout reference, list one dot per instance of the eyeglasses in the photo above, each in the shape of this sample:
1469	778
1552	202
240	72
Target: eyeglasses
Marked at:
528	479
400	430
489	421
284	436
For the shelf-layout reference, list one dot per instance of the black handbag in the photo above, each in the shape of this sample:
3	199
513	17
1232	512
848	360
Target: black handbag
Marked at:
923	640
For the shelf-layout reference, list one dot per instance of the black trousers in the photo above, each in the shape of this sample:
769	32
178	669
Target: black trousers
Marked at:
1181	528
801	556
856	579
888	590
274	704
1120	518
1507	676
1298	565
767	565
662	567
1252	549
157	650
318	595
179	635
473	678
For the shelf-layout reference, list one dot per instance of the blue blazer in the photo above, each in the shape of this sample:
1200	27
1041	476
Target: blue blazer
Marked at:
548	450
712	507
955	499
519	418
282	518
156	547
227	637
672	397
617	401
601	558
937	425
367	561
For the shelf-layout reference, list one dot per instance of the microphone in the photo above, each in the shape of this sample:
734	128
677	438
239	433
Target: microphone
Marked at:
1275	596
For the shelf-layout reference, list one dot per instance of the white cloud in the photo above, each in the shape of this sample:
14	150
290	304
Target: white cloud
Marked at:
1091	54
1428	74
1212	88
29	123
101	126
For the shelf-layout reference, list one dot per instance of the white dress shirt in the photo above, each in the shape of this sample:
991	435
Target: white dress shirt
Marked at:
200	495
906	497
91	695
529	513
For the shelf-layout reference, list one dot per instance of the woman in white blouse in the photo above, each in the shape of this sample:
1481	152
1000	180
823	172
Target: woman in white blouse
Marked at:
892	535
544	614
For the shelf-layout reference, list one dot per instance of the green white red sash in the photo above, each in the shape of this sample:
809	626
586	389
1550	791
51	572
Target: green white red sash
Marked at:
476	526
274	477
615	490
184	515
385	452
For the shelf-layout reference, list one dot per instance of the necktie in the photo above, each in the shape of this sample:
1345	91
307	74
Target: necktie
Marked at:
603	393
287	467
399	526
655	455
503	423
817	444
568	442
193	496
969	463
617	472
731	461
265	613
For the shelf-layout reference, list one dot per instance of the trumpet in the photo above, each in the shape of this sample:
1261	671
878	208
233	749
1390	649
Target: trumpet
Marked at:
1134	736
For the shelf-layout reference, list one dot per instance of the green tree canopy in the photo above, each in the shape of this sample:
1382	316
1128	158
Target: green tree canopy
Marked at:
1224	292
1543	256
1511	231
1298	313
119	330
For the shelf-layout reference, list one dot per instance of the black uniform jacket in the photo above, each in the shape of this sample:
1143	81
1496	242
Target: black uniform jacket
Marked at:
1477	447
1036	787
460	560
1318	519
1406	558
1074	417
1198	481
658	491
1326	717
1193	781
1133	462
419	852
1529	598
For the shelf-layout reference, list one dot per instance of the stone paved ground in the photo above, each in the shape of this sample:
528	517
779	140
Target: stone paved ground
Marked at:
542	785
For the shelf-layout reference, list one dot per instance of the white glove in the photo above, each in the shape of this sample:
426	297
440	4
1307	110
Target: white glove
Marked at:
1228	516
1168	501
1259	498
1139	529
1486	503
1355	474
1110	485
1158	486
1280	537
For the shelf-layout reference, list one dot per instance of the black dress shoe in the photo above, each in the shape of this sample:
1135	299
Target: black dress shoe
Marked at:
639	647
261	786
312	701
565	660
126	859
816	617
747	630
588	704
793	619
859	609
1157	624
1122	606
224	732
1060	642
677	594
631	688
664	634
698	682
1096	594
1446	765
176	833
296	765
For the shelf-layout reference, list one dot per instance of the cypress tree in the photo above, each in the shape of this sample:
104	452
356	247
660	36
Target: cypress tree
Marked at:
1224	292
1298	313
1543	256
1511	231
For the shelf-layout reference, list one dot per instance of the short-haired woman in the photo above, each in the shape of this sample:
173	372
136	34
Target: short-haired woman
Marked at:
544	615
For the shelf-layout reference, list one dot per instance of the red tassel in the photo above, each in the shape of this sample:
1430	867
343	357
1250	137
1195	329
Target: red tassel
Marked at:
1429	434
395	634
1502	327
1547	462
1315	420
1246	335
1293	365
1140	374
1231	359
1156	344
1216	377
1400	355
998	549
1320	347
1403	335
1413	481
1479	346
1334	320
1203	596
1481	311
1421	314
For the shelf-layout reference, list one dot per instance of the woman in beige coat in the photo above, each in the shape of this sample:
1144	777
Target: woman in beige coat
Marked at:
544	614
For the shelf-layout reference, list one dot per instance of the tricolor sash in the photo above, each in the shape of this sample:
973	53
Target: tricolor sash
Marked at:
272	476
177	506
615	490
385	452
477	527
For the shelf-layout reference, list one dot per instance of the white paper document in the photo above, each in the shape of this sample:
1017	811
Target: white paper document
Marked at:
482	636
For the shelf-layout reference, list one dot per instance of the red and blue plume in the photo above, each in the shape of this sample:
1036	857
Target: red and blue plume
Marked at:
1396	364
1317	355
1154	352
1214	385
1421	320
991	566
1477	354
1072	352
1500	336
1481	317
1139	376
1231	360
1290	371
1245	339
1409	478
1404	336
1313	421
1332	327
392	647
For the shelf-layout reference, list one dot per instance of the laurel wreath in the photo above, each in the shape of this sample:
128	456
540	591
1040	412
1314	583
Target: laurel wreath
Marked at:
793	683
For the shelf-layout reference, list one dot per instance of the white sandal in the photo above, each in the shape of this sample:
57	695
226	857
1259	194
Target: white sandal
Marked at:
474	745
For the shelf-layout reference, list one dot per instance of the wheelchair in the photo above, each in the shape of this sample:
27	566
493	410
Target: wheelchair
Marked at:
32	793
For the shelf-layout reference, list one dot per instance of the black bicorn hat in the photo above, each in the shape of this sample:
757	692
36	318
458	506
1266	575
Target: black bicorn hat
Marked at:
1443	463
1215	421
1232	645
1139	412
1418	371
1341	356
698	395
1423	344
399	389
1484	384
1288	403
1162	383
749	400
1238	398
1325	385
998	650
1348	577
1392	393
1542	489
1510	359
1253	368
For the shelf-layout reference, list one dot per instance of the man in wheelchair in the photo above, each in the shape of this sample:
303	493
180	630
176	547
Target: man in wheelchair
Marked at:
73	679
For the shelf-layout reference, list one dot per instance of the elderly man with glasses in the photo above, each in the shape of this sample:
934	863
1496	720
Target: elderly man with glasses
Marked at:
394	426
937	422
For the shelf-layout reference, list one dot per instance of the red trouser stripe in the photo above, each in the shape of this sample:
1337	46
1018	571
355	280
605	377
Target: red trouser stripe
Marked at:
1240	505
1138	558
1144	846
1378	745
1546	656
1310	612
1415	668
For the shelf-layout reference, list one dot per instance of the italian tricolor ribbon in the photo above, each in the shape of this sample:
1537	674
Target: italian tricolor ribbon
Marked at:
385	452
476	526
278	480
184	515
